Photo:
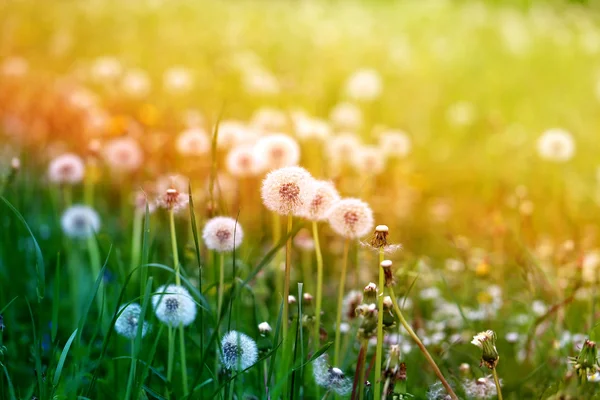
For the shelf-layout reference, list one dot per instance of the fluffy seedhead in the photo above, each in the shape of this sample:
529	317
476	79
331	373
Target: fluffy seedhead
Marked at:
172	199
556	145
128	321
287	190
80	222
331	378
481	388
66	169
222	234
239	351
193	142
277	151
123	154
242	162
351	218
324	197
174	305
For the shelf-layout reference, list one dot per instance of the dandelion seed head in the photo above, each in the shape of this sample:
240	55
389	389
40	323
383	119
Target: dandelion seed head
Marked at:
242	162
268	119
219	234
287	190
231	133
174	305
172	199
395	144
239	351
369	160
346	116
311	128
136	83
364	85
324	196
556	145
351	218
105	68
123	154
128	321
277	151
79	222
304	240
193	142
331	378
67	168
481	388
178	80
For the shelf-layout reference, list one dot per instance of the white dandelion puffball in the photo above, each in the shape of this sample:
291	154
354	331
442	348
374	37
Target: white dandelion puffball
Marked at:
242	162
346	116
331	378
80	222
193	142
128	321
230	134
369	160
136	83
287	190
123	154
178	80
324	196
395	144
481	388
14	67
105	69
556	145
239	351
172	199
174	305
342	146
277	151
268	119
67	168
219	232
311	128
364	85
351	218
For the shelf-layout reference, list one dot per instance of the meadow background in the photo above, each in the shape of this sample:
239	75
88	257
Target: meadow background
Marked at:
496	233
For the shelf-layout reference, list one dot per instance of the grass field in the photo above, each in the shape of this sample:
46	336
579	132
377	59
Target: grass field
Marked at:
418	180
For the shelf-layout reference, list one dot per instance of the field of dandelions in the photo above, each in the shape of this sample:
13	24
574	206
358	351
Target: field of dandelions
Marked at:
299	199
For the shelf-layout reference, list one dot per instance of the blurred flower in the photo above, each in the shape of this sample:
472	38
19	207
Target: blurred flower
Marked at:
230	134
193	142
268	119
172	199
307	128
481	388
277	151
346	116
461	114
364	85
304	240
264	328
395	144
128	321
556	145
352	300
178	80
239	351
369	160
14	67
351	218
136	83
174	306
323	198
538	307
66	168
287	190
242	162
222	234
123	154
80	222
259	81
105	69
331	378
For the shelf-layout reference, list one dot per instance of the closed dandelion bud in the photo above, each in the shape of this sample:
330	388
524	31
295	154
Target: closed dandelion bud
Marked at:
264	328
128	321
394	372
264	342
486	341
239	351
586	363
292	300
370	293
464	368
368	326
388	317
307	299
352	300
388	275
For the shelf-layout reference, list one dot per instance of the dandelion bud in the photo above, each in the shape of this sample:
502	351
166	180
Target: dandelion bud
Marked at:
174	306
264	328
370	293
222	234
239	351
387	303
128	321
487	342
386	265
464	368
586	363
292	300
307	298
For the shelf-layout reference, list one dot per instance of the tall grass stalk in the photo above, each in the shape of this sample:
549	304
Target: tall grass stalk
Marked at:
319	293
136	239
379	348
340	303
221	283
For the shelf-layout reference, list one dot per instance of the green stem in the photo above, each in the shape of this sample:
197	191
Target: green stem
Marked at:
94	254
88	188
286	282
421	346
364	344
497	382
277	258
67	195
136	240
379	348
131	371
231	387
221	283
170	354
184	376
319	294
174	245
338	318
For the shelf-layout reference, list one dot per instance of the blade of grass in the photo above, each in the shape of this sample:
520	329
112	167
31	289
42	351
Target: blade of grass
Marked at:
36	353
11	389
56	299
63	358
199	260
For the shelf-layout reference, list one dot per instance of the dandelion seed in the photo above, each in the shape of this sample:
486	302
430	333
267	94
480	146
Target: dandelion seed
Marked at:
331	378
80	222
193	142
351	218
324	197
174	306
556	145
239	351
123	154
277	151
128	321
287	190
219	232
67	168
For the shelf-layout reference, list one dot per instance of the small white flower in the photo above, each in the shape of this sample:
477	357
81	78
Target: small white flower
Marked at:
556	145
512	337
173	305
264	328
128	321
239	351
482	337
222	234
80	221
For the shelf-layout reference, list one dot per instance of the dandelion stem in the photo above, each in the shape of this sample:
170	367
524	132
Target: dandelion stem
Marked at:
338	318
362	363
221	283
379	349
174	245
497	382
421	346
170	354
184	376
319	294
67	195
277	259
88	188
94	254
136	240
131	371
286	283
